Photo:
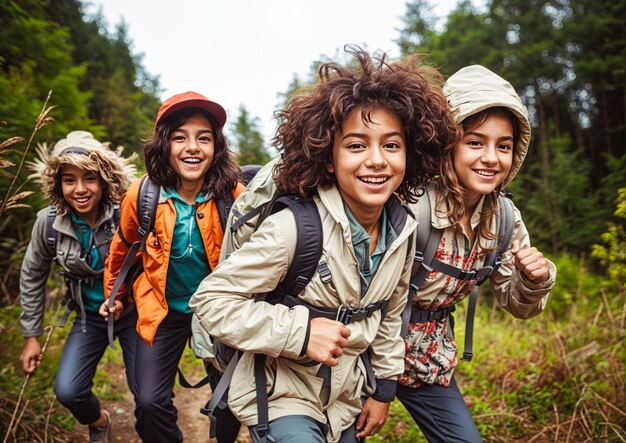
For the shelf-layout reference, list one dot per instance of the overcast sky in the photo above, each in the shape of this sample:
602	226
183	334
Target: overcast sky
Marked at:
246	51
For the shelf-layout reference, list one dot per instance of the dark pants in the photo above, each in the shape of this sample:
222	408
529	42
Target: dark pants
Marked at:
440	413
81	355
227	425
300	429
155	374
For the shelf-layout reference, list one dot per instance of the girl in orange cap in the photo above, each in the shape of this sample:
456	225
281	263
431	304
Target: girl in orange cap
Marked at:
189	158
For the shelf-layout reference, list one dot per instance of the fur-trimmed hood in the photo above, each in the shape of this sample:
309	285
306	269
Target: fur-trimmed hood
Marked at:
81	149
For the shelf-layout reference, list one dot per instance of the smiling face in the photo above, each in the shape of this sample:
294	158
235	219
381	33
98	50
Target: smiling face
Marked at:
191	152
82	190
483	158
369	161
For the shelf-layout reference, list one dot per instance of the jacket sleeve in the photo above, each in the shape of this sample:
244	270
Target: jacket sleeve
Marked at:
225	304
515	293
387	349
126	234
33	276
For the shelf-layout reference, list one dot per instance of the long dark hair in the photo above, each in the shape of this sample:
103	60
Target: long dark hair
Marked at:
409	89
222	176
451	190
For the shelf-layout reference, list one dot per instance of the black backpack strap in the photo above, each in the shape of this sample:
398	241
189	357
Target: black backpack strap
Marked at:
224	206
186	384
426	245
308	245
505	223
147	202
262	427
219	397
51	233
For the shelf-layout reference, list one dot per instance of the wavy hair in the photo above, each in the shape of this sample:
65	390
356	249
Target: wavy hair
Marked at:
115	171
222	176
309	121
452	192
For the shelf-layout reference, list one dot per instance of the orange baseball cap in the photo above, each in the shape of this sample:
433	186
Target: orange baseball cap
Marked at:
191	99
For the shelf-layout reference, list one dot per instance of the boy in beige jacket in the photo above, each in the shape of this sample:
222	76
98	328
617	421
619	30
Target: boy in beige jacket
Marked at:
362	134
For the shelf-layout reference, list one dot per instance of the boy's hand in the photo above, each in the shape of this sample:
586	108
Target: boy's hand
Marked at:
116	310
372	418
327	340
31	355
530	262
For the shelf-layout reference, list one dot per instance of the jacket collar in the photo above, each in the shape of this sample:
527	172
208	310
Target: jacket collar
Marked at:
439	209
331	199
64	226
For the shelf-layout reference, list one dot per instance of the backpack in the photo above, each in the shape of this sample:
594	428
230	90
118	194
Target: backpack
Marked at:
261	199
147	202
71	299
424	263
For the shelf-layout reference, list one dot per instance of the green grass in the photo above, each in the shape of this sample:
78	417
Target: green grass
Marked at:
556	378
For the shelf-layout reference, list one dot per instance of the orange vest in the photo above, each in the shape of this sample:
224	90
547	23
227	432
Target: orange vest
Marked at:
149	288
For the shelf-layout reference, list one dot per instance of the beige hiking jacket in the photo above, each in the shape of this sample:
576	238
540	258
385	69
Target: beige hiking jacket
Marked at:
225	306
431	352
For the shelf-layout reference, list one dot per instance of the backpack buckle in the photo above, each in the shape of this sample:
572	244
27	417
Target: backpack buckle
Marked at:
465	275
262	429
483	273
498	262
324	271
418	257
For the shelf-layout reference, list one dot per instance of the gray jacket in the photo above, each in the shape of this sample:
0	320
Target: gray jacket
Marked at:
37	263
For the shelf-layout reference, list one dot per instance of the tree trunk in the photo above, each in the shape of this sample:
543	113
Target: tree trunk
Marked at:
545	170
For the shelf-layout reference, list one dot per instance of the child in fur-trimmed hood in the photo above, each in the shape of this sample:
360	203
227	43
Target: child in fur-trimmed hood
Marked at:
84	181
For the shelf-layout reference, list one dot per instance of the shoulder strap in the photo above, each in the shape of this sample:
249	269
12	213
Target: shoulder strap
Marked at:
308	245
116	216
426	244
507	223
504	223
504	226
51	233
223	208
147	202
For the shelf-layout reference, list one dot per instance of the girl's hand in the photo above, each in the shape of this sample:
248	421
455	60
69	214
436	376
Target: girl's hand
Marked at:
372	418
327	340
31	355
530	262
116	310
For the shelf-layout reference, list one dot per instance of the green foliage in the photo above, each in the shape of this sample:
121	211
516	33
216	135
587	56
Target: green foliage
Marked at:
39	397
567	61
612	254
97	85
249	142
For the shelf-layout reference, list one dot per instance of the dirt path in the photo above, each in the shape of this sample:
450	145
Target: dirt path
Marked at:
194	426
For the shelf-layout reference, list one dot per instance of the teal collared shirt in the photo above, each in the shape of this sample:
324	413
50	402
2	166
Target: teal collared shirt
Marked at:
93	296
188	264
368	265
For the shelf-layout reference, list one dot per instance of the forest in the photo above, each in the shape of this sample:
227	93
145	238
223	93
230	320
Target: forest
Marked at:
559	377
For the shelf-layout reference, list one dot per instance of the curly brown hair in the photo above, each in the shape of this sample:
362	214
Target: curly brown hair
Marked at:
222	176
409	89
451	190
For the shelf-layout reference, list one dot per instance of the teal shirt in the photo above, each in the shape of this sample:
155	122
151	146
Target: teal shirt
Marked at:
368	265
93	296
188	264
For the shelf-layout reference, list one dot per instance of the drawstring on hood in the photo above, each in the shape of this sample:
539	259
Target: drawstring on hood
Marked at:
475	88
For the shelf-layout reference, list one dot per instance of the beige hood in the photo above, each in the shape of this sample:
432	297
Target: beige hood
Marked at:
475	88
